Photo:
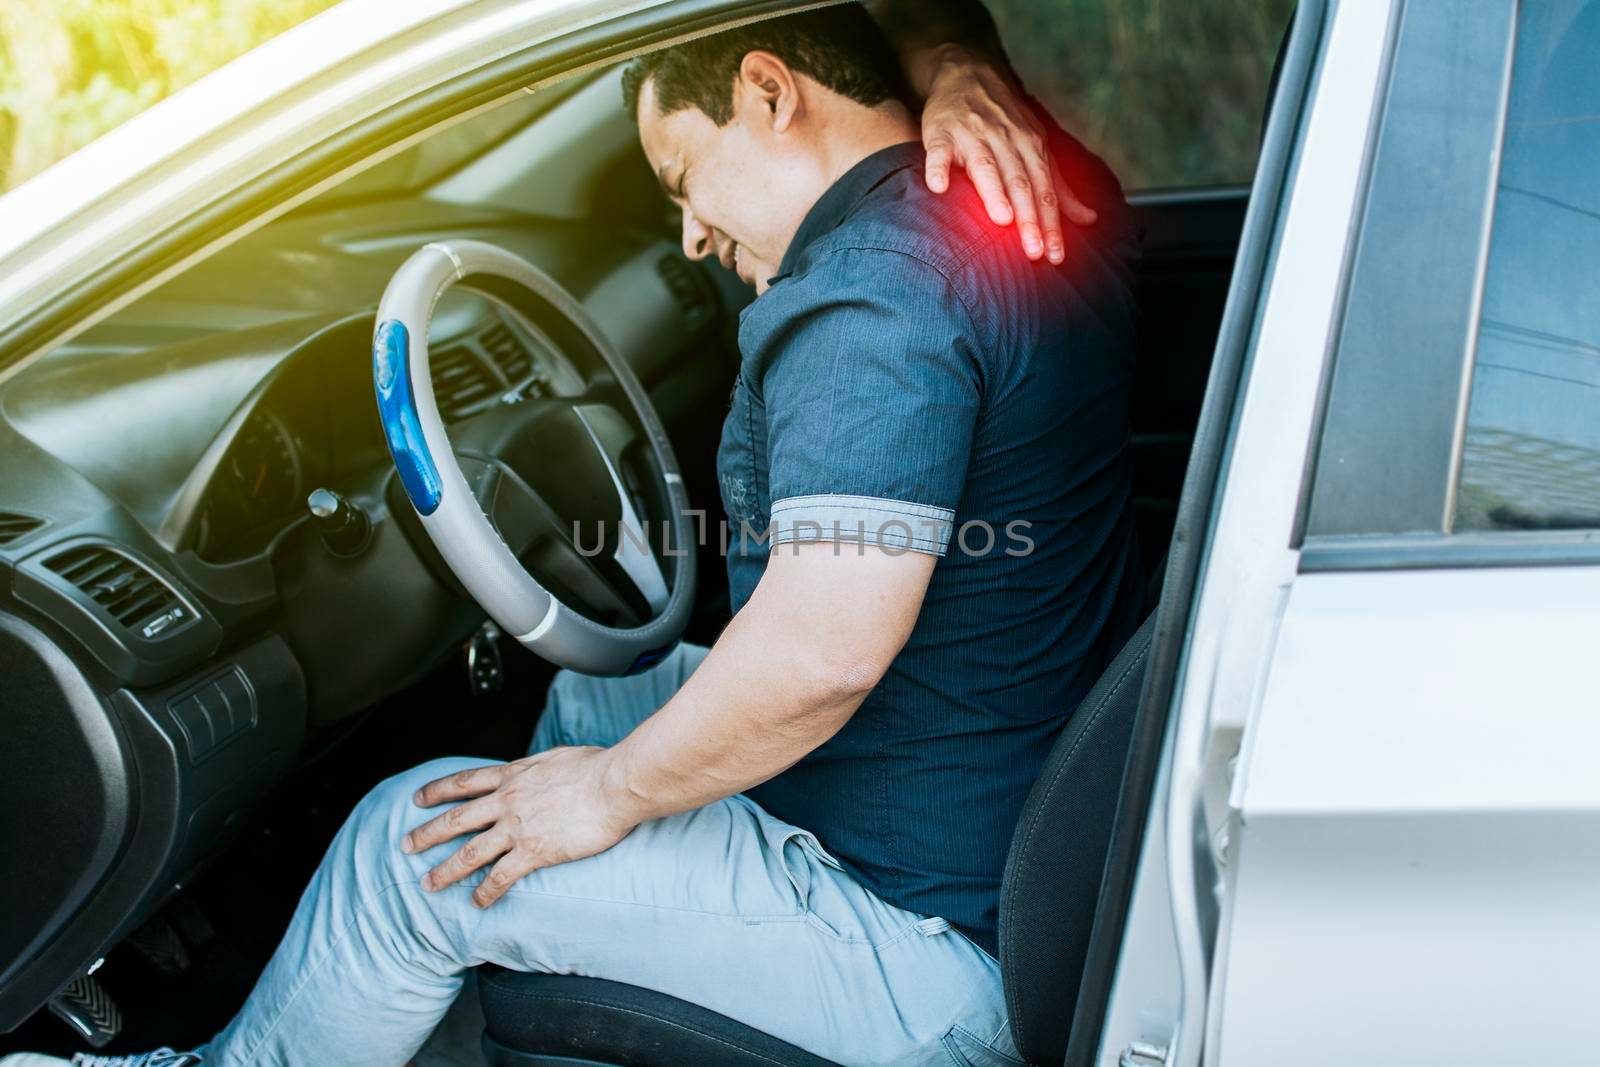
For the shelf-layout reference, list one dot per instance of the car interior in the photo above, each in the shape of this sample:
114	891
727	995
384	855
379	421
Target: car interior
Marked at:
204	672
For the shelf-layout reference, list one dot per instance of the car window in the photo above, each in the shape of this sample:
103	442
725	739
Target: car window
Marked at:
1531	452
70	71
1171	94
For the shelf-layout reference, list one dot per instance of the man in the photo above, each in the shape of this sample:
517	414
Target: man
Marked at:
803	827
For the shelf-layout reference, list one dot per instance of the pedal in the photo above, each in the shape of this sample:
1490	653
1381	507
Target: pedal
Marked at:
189	922
86	1007
159	942
485	670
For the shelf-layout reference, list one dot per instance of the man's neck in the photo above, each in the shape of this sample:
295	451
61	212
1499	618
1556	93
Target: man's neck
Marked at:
846	135
857	132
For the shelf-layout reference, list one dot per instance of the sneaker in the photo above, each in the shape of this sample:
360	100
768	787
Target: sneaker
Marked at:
161	1057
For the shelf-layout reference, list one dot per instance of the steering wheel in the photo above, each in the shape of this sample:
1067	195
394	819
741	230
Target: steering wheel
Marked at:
477	500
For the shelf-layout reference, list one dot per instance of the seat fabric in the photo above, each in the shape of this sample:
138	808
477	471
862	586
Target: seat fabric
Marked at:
1051	885
544	1020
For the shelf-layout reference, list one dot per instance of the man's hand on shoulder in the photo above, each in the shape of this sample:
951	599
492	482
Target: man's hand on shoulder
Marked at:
974	116
552	807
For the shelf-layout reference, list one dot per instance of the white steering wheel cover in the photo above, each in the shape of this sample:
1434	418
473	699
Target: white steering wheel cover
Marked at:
457	525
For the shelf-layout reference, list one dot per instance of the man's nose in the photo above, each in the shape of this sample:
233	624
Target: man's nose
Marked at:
697	242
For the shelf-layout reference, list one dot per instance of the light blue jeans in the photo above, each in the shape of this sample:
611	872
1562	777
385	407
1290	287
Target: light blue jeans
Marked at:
725	906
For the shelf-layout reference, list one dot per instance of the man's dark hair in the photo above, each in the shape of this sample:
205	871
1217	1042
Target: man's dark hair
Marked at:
839	47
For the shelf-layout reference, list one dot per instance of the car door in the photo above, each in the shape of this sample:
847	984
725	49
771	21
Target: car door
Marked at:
1358	823
1414	825
1234	553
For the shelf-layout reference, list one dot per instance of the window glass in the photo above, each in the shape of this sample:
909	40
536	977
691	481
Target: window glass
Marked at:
1170	92
72	69
1531	457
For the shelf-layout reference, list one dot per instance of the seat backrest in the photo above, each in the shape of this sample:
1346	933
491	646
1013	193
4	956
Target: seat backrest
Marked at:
1058	856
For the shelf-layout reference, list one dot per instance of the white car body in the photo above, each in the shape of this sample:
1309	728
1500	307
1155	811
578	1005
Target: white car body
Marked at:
1376	835
1375	829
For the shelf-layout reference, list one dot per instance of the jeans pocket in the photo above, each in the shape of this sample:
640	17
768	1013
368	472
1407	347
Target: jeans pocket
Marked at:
809	842
806	864
969	1049
834	905
792	846
827	897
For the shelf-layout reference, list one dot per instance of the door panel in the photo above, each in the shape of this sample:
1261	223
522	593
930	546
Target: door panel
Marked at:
1419	838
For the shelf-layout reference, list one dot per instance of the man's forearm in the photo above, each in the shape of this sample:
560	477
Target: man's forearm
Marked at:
748	712
787	673
928	33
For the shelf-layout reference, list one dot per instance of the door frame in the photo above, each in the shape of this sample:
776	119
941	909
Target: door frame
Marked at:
1234	550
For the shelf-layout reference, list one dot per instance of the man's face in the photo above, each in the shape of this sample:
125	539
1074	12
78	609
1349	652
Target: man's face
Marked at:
744	188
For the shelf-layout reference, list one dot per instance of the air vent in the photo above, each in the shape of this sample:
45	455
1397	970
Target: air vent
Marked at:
684	282
507	351
137	599
14	527
460	381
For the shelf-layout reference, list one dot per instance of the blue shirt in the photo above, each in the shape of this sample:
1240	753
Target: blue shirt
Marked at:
911	380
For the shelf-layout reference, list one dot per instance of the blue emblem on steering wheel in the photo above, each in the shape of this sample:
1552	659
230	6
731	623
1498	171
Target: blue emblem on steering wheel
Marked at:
397	409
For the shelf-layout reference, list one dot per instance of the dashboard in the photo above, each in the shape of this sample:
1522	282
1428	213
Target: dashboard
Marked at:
289	443
173	631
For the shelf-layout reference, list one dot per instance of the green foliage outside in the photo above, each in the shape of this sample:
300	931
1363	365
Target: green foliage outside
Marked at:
1169	90
72	69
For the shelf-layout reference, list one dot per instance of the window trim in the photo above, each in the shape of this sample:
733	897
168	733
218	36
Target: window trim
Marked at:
1476	548
1372	411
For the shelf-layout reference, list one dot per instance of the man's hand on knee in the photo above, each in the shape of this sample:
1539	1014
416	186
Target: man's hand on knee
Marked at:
552	807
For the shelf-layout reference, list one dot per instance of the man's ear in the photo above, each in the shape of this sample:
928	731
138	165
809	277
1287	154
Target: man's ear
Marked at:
769	89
